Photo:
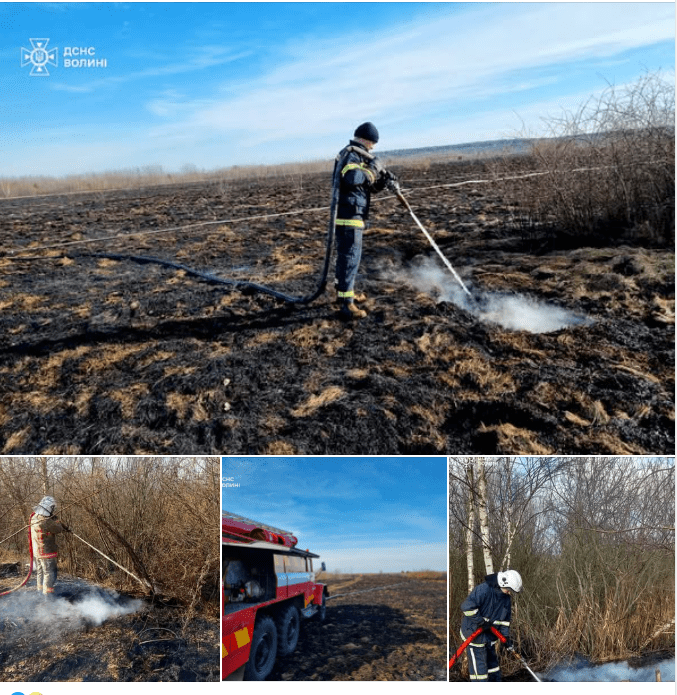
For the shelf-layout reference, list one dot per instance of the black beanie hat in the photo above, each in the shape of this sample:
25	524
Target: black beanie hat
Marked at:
367	131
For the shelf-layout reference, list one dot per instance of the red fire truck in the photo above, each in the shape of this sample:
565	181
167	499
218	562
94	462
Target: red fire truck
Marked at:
268	588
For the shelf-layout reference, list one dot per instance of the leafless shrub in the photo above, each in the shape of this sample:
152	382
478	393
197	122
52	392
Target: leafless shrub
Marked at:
606	170
155	516
592	537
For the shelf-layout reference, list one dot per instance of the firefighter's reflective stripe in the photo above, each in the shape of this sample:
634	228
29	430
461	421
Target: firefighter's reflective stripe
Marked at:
236	640
369	173
502	622
346	295
474	676
351	223
471	644
469	613
493	670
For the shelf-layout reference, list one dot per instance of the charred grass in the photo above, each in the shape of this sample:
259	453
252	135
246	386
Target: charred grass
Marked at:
109	356
395	628
152	644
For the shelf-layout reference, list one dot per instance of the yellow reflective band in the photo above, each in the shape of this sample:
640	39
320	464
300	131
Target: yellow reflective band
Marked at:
501	622
479	678
469	613
351	223
493	670
473	644
242	637
361	166
346	295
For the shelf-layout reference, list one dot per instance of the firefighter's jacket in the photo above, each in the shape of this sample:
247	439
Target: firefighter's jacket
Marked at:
43	536
486	601
358	180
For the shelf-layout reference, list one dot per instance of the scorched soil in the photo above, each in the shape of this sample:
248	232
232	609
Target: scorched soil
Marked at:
101	356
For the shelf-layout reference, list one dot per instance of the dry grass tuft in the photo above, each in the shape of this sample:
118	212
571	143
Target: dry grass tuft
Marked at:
315	402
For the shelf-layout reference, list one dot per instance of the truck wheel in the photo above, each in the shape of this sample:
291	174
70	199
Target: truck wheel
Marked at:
263	650
288	629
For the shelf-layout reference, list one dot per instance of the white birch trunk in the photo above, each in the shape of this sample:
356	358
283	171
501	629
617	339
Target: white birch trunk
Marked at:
484	521
471	523
509	516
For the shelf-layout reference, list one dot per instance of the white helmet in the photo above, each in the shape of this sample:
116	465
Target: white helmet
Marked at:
510	579
46	506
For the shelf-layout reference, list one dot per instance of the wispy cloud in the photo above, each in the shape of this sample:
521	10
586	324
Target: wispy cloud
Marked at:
420	68
196	59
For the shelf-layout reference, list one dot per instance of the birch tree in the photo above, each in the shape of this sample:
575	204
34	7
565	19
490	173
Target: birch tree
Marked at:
484	516
469	530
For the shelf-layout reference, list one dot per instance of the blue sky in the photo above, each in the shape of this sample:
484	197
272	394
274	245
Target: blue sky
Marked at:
360	514
217	84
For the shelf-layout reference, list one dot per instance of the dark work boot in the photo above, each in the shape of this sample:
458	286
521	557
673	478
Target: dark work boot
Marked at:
350	311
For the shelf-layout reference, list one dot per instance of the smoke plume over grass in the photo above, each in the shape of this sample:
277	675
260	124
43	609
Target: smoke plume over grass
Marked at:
614	672
514	312
30	614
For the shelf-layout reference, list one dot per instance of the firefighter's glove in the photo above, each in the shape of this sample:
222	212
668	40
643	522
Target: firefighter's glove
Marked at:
486	623
509	645
391	181
65	528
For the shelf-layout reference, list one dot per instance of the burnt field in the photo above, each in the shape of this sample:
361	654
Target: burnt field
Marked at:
85	632
111	356
398	632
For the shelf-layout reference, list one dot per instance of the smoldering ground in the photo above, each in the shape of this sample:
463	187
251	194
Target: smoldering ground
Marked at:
584	671
83	606
511	311
100	356
30	617
91	633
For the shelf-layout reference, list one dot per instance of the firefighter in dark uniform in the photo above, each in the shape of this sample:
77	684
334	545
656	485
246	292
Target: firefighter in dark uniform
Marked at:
359	176
487	605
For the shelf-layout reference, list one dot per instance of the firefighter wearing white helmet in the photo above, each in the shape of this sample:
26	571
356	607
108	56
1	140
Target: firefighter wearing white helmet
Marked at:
44	527
488	605
510	579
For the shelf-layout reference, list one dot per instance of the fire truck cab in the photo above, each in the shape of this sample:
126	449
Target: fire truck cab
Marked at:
268	588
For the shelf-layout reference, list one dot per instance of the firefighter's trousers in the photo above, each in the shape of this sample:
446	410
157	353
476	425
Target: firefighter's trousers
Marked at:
348	255
45	572
483	662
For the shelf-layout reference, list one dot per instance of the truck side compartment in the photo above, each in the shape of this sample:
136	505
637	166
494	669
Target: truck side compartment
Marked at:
267	591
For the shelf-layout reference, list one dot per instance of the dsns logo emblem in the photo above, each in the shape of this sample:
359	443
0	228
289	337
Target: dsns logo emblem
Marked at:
39	57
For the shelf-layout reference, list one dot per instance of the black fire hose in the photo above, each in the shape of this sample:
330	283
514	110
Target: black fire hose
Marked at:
243	285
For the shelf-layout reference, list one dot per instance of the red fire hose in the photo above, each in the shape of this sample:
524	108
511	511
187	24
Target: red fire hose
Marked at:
461	649
30	564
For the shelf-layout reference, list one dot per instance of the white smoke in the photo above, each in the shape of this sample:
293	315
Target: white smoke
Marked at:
513	312
614	672
29	611
523	314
